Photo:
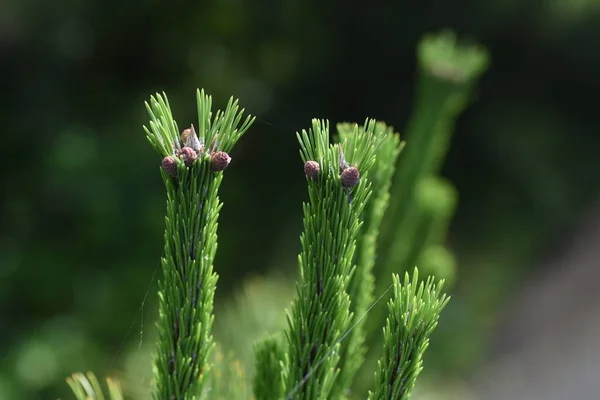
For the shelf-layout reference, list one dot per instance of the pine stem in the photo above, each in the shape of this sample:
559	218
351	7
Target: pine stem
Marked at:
320	312
362	282
414	311
192	173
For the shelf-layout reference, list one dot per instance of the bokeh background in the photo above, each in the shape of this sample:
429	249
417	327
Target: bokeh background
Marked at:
82	202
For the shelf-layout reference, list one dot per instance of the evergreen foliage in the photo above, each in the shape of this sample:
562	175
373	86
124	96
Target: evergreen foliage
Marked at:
423	203
320	312
448	72
186	291
268	378
362	282
345	243
414	311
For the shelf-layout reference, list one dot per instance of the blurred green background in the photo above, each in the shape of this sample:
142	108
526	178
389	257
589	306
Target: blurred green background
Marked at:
82	202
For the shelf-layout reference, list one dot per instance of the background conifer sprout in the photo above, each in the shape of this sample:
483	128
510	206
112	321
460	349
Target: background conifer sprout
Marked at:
374	210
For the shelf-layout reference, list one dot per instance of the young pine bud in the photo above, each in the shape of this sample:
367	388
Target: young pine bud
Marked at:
190	139
188	155
311	169
350	177
169	164
219	161
185	135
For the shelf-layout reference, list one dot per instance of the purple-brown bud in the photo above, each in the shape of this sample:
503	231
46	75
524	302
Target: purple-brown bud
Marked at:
169	164
350	177
219	161
311	169
188	155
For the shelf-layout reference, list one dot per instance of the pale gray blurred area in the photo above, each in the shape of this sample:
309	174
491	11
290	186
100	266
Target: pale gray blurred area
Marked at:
547	346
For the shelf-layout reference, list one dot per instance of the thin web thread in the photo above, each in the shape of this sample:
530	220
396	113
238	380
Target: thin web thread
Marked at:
322	360
140	310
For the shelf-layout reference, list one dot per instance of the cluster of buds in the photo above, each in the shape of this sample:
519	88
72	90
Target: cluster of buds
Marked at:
191	147
349	176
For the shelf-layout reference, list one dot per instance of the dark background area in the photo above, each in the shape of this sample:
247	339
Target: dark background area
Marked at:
82	202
